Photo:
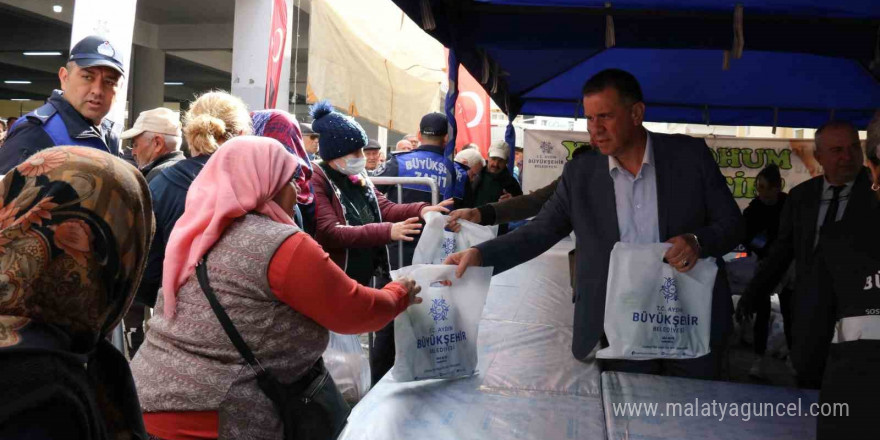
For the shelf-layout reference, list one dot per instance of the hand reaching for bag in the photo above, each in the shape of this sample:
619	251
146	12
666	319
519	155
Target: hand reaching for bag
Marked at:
412	290
464	259
403	230
469	214
442	208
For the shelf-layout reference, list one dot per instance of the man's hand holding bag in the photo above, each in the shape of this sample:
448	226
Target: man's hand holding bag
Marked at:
652	310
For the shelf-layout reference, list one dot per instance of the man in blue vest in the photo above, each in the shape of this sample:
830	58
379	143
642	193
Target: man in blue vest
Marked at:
428	160
75	114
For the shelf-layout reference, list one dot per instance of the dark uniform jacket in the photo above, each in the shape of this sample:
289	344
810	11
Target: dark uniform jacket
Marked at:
54	124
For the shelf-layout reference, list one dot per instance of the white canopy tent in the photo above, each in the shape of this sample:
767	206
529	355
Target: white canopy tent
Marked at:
368	58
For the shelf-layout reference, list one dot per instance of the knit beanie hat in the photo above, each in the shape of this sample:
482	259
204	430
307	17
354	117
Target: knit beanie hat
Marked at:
340	135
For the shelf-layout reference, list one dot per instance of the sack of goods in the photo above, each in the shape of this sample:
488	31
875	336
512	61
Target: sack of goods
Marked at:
436	243
652	311
438	338
349	366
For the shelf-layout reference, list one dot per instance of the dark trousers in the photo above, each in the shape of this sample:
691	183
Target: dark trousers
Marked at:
382	353
762	320
707	367
851	378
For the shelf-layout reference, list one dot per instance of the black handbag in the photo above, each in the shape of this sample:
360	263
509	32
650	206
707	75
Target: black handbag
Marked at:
312	408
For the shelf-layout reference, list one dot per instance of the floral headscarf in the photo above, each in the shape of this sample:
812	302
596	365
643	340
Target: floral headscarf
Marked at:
284	128
75	227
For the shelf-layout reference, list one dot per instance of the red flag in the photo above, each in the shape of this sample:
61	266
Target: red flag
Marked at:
277	40
472	113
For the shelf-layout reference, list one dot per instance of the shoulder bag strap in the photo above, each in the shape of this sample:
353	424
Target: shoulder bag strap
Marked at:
228	326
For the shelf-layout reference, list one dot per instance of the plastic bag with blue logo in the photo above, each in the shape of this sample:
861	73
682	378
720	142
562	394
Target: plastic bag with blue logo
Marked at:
652	311
437	339
436	243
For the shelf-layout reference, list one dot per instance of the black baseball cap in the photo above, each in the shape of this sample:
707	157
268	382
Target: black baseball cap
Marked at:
434	124
94	51
372	144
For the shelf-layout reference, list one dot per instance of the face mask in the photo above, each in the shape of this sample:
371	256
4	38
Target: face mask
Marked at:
352	166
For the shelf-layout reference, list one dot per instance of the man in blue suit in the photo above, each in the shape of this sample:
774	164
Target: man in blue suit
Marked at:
643	188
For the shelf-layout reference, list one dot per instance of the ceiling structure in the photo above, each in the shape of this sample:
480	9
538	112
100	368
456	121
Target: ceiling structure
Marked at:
196	36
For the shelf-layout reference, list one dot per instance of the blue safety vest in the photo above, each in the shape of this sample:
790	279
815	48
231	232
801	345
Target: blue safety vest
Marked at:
52	123
451	177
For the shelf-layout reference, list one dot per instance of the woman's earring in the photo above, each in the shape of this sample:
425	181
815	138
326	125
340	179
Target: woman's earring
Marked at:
875	186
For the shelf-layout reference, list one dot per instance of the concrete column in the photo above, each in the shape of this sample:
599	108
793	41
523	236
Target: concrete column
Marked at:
250	53
148	78
114	20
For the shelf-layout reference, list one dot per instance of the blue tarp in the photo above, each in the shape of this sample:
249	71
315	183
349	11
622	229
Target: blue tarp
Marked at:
822	8
804	61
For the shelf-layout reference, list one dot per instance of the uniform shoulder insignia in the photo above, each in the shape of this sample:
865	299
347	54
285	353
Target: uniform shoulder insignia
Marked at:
42	114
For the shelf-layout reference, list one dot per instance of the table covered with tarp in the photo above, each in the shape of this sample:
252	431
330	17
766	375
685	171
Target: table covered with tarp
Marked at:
529	386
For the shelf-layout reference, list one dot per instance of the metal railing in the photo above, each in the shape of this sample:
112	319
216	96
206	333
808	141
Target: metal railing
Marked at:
399	182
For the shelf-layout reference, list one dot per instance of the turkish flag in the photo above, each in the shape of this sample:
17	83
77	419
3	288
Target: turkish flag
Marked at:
277	40
472	113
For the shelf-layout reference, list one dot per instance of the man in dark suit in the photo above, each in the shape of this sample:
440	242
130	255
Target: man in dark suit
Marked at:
643	188
820	201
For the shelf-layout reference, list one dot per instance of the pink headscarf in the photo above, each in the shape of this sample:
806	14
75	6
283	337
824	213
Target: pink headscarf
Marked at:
241	177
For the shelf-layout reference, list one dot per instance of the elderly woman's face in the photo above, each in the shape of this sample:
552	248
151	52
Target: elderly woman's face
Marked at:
286	198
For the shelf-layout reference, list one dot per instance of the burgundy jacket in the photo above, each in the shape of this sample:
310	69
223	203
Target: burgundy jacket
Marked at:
332	231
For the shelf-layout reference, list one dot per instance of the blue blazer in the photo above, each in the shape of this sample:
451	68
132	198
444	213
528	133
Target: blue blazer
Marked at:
692	197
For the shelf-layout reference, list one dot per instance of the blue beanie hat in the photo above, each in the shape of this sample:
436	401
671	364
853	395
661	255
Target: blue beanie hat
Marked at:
340	135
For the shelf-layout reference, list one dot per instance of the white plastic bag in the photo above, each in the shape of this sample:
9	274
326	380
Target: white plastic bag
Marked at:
348	365
438	338
653	311
436	243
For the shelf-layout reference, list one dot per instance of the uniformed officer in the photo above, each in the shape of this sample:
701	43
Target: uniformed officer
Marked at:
75	114
428	160
843	306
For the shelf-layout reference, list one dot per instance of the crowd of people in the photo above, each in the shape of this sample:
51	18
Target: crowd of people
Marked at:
278	224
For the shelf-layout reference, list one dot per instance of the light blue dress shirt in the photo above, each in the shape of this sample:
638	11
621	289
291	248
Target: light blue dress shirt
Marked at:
636	199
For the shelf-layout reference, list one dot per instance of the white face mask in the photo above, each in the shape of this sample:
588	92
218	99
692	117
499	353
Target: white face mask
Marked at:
352	166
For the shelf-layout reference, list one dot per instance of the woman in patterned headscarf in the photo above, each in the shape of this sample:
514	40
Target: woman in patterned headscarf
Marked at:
75	225
283	127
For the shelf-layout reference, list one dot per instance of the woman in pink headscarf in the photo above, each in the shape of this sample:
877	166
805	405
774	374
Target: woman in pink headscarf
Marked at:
278	286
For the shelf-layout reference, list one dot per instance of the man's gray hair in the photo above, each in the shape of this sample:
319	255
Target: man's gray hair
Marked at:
835	124
172	143
471	156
